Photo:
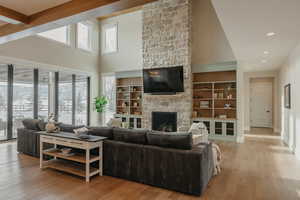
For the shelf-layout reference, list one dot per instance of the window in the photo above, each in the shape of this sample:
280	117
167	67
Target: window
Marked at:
43	94
110	38
108	90
23	96
3	101
65	101
84	36
81	100
59	34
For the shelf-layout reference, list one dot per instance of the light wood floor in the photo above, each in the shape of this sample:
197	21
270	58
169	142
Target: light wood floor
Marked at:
263	132
259	169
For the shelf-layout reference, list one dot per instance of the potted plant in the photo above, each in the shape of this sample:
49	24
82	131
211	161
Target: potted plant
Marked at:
100	103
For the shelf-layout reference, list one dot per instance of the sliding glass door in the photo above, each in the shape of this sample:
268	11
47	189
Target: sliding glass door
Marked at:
72	98
3	101
31	93
23	96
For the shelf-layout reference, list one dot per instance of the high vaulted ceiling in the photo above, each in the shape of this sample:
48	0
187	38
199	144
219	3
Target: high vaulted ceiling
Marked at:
29	7
247	23
23	18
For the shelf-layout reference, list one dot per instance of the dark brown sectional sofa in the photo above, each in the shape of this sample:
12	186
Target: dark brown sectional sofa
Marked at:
154	158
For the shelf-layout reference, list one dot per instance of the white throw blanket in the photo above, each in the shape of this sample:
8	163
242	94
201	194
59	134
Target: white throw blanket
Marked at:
217	156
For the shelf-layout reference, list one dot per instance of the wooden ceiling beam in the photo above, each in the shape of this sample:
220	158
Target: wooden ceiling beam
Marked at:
11	16
65	14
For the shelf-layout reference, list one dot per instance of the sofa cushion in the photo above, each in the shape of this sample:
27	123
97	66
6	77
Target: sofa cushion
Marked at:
170	140
130	135
68	127
101	131
31	124
42	125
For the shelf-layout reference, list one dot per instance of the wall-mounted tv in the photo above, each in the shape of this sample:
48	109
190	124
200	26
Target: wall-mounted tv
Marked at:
163	80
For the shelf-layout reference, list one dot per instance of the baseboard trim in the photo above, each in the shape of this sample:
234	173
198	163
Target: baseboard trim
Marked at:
277	130
247	128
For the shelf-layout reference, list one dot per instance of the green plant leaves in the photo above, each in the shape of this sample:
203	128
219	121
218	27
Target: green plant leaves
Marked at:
100	103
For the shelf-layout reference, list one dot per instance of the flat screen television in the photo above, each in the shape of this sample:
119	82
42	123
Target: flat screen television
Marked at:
163	80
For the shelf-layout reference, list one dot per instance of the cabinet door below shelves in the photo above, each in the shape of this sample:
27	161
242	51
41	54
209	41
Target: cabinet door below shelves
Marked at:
218	128
139	123
131	122
230	129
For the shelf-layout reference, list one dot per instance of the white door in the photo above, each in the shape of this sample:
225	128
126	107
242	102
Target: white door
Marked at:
261	104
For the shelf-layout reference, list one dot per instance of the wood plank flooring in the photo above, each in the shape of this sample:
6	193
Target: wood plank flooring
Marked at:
259	169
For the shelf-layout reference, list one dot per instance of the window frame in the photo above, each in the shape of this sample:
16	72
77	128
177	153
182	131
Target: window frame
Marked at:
103	38
90	36
68	36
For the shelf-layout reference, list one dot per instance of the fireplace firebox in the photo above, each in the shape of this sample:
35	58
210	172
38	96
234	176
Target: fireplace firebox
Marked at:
164	121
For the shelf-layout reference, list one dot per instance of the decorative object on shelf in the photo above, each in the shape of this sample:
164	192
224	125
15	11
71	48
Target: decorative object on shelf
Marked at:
229	96
227	105
124	104
195	114
221	95
204	104
100	103
81	131
287	96
66	152
135	104
52	126
223	116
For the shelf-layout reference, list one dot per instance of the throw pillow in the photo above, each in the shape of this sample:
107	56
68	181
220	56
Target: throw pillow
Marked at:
115	122
31	124
101	131
130	135
170	140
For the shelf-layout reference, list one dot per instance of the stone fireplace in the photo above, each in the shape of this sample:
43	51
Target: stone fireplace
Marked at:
167	43
164	121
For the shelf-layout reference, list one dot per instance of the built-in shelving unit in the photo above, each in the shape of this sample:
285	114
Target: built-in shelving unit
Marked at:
214	102
129	94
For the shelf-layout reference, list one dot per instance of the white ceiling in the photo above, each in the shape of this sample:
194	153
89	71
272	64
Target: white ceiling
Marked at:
246	23
29	7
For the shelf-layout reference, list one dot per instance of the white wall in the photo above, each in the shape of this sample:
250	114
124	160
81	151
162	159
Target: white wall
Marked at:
209	42
39	52
290	118
276	107
129	55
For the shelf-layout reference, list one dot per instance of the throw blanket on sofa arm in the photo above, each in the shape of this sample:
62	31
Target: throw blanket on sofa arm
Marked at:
217	156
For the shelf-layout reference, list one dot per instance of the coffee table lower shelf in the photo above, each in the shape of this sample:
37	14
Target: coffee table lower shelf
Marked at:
69	167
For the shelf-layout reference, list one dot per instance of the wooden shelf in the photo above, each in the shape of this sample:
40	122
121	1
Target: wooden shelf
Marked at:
202	89
224	108
217	99
206	85
134	93
203	99
202	108
69	167
77	157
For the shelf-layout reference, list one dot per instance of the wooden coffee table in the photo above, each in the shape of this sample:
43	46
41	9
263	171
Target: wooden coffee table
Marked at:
77	164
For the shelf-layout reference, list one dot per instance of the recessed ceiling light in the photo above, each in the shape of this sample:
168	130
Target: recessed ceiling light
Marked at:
266	52
264	61
270	34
